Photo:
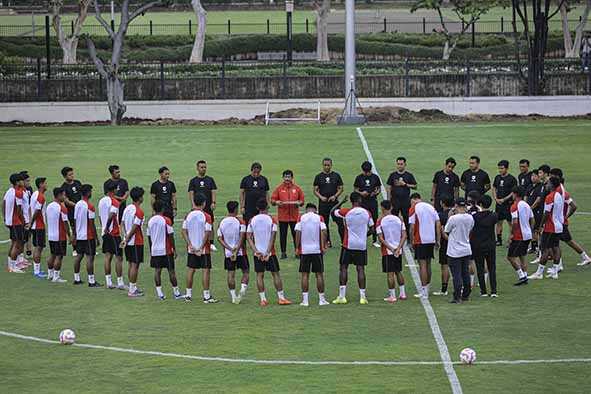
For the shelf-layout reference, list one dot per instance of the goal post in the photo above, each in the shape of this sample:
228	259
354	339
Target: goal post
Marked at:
316	119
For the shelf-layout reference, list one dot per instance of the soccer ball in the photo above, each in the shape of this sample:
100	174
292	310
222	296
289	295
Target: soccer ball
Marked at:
468	356
67	337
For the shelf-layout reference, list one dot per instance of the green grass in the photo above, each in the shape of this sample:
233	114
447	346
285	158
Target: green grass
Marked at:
544	320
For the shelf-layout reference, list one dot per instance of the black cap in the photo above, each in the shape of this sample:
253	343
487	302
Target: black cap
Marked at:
461	201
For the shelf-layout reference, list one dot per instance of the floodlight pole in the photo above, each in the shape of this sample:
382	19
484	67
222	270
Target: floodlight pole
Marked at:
350	114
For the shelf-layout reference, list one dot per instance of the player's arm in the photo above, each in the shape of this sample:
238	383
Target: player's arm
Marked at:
223	242
74	236
275	201
536	203
192	202
250	237
214	195
242	198
150	243
402	241
174	203
323	240
185	236
317	194
437	233
298	240
456	192
69	203
152	201
3	211
411	233
206	239
38	213
123	197
110	220
340	190
271	243
389	192
572	208
68	233
433	191
413	183
128	236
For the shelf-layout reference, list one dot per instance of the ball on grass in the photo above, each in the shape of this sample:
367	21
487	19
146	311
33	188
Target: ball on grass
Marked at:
468	356
67	337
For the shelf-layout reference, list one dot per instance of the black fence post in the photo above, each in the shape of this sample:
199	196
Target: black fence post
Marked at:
406	78
307	27
229	27
72	26
502	24
468	77
47	47
161	80
151	28
190	27
112	28
385	25
424	26
268	27
285	92
473	34
223	80
589	81
38	79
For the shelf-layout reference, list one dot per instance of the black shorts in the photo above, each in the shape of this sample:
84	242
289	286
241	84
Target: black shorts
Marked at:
17	233
134	254
198	262
324	208
550	240
355	257
424	251
111	244
391	263
38	238
272	265
517	248
27	235
503	212
241	262
248	215
58	248
371	204
443	253
311	262
565	235
169	213
538	220
162	262
86	247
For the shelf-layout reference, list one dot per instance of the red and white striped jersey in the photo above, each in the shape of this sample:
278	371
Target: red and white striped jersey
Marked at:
27	205
231	229
392	228
13	198
107	206
311	226
57	217
424	218
38	204
197	223
159	230
262	227
522	212
554	206
133	214
84	215
357	223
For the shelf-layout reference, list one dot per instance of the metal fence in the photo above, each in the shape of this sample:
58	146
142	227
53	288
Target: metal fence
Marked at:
420	26
269	80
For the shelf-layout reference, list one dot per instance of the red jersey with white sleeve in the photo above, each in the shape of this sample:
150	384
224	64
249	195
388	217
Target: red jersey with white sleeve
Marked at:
310	225
159	231
424	218
554	206
57	217
133	214
357	222
262	227
522	212
107	206
230	230
13	198
391	228
197	223
38	204
84	214
567	201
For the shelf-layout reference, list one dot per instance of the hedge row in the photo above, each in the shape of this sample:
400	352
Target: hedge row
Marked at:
178	48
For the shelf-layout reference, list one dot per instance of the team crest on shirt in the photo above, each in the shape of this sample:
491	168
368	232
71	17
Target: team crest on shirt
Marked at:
202	183
327	179
473	178
446	179
164	189
501	183
255	183
367	182
74	189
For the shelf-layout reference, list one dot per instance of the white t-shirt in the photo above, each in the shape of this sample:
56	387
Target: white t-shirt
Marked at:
311	226
424	218
158	230
523	213
57	219
131	216
357	222
392	228
83	214
12	199
107	207
230	230
262	227
459	227
198	223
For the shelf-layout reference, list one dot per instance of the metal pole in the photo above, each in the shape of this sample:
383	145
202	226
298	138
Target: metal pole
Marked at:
268	27
229	27
223	80
190	27
161	80
424	26
502	25
406	78
385	25
473	34
47	47
289	11
38	78
151	30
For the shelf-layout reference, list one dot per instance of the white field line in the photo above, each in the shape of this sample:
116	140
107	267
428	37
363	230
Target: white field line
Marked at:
467	125
286	362
435	329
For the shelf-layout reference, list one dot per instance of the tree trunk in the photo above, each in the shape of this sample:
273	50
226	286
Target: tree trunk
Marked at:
199	44
580	30
117	106
448	49
568	41
68	43
70	49
322	11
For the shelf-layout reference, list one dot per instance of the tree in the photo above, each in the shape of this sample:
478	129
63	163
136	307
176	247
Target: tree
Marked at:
572	48
322	11
197	52
68	43
468	12
110	70
536	41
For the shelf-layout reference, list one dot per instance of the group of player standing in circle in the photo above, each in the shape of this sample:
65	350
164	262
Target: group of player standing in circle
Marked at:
536	206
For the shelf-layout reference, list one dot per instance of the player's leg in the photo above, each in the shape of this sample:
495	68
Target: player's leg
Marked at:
132	273
293	235
189	290
344	259
207	297
283	238
472	271
230	267
90	269
456	273
38	240
360	266
546	247
305	280
491	265
320	287
50	264
391	279
273	266
245	276
557	256
108	259
158	282
465	272
176	292
479	260
77	262
401	285
259	269
119	263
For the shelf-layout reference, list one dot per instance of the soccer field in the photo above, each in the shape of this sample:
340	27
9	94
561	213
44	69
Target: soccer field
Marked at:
545	322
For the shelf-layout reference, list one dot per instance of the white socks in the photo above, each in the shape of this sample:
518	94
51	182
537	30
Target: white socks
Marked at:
77	277
56	274
243	287
132	287
540	269
176	291
521	274
109	280
36	268
233	294
280	295
120	282
392	292
342	291
190	293
159	291
321	297
91	279
49	274
402	291
305	298
262	296
472	280
206	295
362	293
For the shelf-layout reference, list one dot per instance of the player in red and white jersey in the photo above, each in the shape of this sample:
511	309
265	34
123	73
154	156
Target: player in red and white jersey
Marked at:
58	232
12	209
392	235
37	207
133	219
358	223
261	233
85	236
27	192
232	236
197	228
522	223
311	241
162	250
111	233
425	234
552	223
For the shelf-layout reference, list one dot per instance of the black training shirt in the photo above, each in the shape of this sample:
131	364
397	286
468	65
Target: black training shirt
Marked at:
367	183
503	185
204	186
73	192
484	233
475	180
445	183
254	190
328	184
524	180
401	193
163	193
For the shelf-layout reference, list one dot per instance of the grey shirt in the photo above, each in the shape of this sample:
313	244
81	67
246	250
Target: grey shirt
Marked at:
458	228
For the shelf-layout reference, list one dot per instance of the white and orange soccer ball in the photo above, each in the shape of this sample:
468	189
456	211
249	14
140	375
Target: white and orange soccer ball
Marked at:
468	356
67	337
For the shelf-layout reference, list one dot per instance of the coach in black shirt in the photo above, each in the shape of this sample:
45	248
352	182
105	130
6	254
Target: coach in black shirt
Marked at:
121	188
72	187
445	184
328	186
400	182
205	185
502	186
164	190
535	195
253	187
368	185
475	178
482	242
524	177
